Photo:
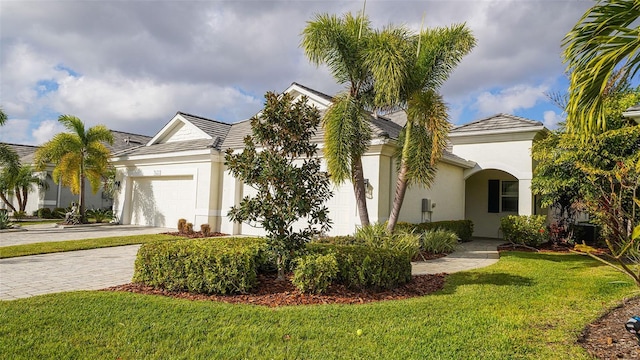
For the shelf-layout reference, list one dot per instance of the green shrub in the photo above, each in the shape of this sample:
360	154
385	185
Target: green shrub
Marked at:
439	241
314	273
525	230
209	266
362	267
59	212
339	240
376	236
462	228
44	213
100	215
19	215
5	223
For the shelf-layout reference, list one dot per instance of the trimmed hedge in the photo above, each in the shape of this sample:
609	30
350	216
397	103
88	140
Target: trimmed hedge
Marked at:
462	228
361	267
207	266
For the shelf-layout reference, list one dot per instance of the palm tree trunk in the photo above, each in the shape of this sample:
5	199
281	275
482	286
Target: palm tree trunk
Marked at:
398	199
360	191
401	183
25	195
6	201
81	208
18	193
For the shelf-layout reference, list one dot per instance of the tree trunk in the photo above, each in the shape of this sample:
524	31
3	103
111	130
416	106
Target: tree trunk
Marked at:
401	183
398	199
25	196
6	201
360	191
280	265
21	205
83	218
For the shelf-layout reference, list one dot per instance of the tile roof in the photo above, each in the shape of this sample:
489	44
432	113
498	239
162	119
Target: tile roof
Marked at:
497	122
169	147
22	150
124	140
211	127
635	107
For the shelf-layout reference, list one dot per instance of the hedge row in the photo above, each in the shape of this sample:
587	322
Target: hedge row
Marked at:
208	266
463	228
362	267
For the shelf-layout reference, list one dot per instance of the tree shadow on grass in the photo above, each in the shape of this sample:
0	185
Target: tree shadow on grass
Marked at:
577	260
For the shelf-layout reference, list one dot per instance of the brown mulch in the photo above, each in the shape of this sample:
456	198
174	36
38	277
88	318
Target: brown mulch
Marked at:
195	234
274	293
607	338
424	256
546	247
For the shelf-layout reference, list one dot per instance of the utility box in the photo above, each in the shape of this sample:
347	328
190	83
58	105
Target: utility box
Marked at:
426	205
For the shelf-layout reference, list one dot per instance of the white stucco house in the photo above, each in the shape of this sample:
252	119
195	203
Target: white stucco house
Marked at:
180	173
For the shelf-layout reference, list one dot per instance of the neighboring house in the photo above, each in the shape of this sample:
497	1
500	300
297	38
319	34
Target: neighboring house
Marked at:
180	173
56	195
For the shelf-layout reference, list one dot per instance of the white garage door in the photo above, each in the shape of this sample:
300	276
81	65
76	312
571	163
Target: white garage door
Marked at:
161	201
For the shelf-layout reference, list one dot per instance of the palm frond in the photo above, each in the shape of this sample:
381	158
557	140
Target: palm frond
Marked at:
602	41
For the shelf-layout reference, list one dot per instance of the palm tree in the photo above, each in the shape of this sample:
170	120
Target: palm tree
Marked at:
408	70
605	39
341	44
19	183
78	155
3	117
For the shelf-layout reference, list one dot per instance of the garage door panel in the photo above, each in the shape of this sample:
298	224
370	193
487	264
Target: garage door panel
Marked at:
161	201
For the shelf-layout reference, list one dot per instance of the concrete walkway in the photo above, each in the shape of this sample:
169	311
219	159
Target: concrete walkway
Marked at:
95	269
471	255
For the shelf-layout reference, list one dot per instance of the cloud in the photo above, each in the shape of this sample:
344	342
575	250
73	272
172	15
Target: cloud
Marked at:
46	130
509	100
15	131
551	119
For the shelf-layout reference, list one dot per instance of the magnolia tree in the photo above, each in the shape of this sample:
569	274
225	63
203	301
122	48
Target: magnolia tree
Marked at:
279	162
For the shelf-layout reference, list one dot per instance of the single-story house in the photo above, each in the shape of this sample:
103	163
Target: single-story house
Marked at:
180	173
58	196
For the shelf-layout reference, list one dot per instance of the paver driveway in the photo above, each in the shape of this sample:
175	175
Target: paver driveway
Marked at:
74	270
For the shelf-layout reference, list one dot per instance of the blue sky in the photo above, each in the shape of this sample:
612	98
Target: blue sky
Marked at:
131	65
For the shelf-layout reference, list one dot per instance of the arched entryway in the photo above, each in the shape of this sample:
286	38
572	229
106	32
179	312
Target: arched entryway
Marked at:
492	194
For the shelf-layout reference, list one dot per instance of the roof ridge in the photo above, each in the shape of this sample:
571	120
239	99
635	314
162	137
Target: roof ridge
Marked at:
130	133
320	93
202	118
14	144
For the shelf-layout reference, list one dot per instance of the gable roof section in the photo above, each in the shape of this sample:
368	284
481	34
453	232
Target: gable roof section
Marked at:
21	150
124	140
204	128
499	123
633	113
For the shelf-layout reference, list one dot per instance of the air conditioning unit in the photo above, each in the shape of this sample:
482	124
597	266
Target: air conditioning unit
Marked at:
426	205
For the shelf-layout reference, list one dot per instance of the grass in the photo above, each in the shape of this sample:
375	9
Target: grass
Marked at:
527	306
37	222
60	246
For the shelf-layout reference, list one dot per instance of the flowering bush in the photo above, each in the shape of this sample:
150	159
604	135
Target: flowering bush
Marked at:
525	230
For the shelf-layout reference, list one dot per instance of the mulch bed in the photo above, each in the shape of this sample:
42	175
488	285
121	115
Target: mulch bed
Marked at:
607	337
195	234
546	247
274	293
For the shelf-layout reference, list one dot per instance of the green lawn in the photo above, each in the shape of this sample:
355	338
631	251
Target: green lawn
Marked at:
72	245
38	222
527	306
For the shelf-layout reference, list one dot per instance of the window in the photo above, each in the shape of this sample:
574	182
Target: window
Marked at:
509	196
503	196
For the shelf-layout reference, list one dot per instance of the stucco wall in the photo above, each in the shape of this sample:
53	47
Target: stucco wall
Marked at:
446	193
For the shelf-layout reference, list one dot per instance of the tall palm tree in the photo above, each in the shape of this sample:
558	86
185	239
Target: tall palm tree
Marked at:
341	44
78	155
408	70
605	39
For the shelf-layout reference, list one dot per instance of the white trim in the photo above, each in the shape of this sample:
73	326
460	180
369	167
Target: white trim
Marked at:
633	114
208	212
313	96
498	166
